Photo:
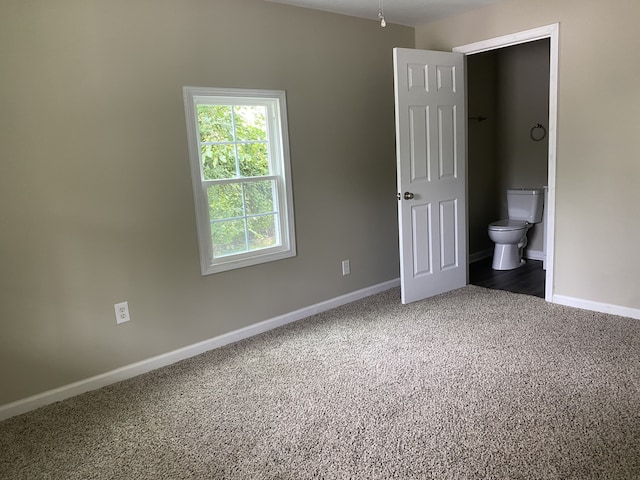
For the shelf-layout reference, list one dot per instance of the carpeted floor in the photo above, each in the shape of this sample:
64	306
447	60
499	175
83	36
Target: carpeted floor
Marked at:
473	384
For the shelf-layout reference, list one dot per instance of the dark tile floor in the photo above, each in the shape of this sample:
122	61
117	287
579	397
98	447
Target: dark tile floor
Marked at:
528	279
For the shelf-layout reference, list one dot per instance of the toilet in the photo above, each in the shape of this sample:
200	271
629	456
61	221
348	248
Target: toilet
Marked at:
510	236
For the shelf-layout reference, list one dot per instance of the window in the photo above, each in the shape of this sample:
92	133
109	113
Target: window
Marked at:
239	153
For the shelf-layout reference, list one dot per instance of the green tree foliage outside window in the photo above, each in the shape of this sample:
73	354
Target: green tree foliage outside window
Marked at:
242	199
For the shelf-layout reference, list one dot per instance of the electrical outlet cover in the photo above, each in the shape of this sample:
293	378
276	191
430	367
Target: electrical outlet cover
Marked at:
346	267
122	312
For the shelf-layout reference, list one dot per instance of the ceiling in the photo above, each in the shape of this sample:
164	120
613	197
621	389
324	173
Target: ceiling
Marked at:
403	12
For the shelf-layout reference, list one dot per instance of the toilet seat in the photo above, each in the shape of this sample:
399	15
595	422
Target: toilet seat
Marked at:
508	225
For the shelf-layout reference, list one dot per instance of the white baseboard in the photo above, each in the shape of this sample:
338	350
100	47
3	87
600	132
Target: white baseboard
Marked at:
481	255
534	255
31	403
597	306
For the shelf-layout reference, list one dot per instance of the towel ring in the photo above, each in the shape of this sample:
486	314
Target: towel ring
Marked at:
538	138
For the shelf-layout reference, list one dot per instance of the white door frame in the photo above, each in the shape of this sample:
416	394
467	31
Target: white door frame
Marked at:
552	33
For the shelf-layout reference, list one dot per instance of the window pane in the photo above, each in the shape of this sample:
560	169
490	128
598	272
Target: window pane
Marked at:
228	238
250	122
214	122
225	201
262	232
259	197
218	161
240	163
253	159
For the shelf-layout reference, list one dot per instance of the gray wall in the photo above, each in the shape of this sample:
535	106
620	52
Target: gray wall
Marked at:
510	87
523	102
95	192
597	153
484	179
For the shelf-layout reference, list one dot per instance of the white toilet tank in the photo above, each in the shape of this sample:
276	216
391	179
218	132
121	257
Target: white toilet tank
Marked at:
525	204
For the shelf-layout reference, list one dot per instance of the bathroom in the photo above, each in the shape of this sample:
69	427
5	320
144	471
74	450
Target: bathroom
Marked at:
508	108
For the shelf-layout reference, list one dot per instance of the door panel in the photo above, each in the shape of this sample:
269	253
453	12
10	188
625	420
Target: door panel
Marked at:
446	141
448	234
421	242
430	142
418	127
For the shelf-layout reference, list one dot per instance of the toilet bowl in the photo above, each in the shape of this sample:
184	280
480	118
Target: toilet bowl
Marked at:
510	236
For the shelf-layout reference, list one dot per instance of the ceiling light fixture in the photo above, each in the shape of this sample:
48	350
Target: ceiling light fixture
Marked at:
383	22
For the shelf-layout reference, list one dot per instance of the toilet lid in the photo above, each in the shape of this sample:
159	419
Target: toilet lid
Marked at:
508	225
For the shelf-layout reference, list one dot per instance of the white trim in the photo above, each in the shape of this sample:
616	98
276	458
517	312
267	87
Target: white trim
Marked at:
275	102
597	306
57	394
509	40
552	33
534	254
481	255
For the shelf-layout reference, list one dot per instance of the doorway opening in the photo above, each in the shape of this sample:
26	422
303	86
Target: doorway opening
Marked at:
511	83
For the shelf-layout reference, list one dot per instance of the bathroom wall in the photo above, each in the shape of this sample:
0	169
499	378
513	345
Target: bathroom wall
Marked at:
523	101
510	87
483	167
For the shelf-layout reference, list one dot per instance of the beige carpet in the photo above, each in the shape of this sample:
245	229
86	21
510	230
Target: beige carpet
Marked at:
473	384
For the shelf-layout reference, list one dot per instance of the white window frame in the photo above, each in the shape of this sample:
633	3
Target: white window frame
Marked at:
277	131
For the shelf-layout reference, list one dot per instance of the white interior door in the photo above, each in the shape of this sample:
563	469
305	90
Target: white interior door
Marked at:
430	149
